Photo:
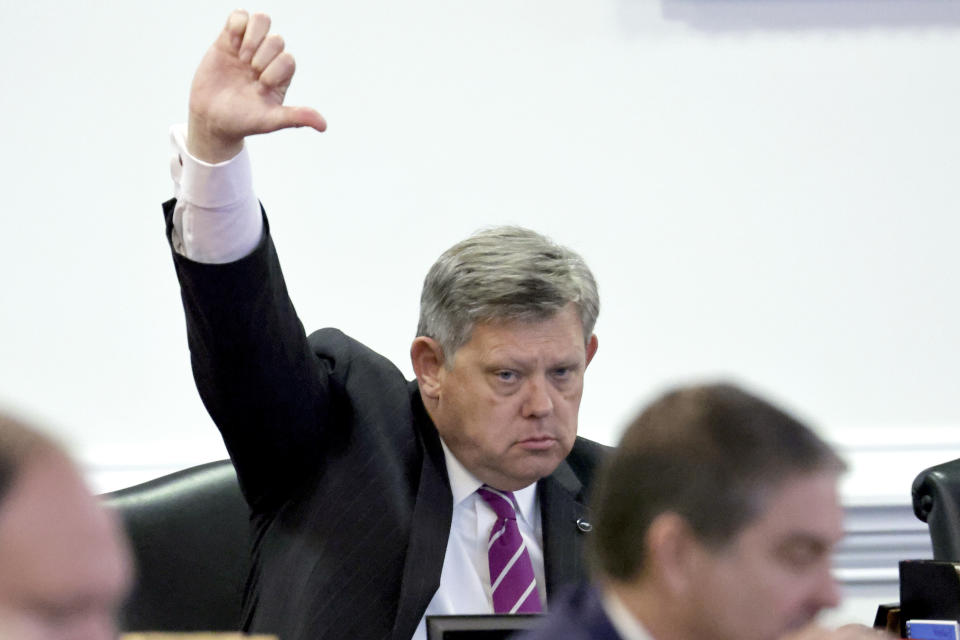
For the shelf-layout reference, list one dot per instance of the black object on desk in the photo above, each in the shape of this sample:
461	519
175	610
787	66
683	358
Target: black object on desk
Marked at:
479	627
929	590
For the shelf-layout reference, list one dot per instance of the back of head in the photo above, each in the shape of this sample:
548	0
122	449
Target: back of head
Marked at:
503	273
66	566
707	453
18	444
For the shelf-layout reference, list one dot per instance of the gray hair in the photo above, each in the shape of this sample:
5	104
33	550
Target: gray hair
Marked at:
503	273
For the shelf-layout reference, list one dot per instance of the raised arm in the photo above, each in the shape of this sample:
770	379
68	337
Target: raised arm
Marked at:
239	88
254	369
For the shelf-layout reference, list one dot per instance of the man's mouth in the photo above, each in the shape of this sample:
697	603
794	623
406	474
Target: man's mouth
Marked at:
537	443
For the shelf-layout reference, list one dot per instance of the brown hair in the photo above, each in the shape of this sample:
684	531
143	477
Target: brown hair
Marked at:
18	444
707	453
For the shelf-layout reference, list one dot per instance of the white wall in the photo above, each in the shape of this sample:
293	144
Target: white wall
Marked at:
766	190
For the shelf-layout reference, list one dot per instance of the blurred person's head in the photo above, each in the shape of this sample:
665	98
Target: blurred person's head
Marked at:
716	517
64	564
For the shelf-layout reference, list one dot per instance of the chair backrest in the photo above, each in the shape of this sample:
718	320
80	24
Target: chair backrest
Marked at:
936	501
190	533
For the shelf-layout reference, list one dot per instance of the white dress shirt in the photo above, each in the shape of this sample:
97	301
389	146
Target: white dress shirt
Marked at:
622	620
217	217
465	579
217	220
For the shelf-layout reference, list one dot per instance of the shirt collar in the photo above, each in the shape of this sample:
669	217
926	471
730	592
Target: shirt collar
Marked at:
622	620
464	484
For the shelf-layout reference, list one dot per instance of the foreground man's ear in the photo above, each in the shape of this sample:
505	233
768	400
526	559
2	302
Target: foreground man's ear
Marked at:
672	550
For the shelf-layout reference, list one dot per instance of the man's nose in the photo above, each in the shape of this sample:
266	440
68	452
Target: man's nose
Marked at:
538	403
827	591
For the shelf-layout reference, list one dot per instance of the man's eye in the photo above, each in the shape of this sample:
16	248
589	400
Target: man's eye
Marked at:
800	557
506	376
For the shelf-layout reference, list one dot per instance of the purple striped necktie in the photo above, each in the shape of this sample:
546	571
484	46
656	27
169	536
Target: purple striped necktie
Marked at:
512	581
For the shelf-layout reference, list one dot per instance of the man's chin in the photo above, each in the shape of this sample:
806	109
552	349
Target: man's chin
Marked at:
538	464
799	628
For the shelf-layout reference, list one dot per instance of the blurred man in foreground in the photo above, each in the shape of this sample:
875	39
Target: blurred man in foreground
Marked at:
64	564
715	519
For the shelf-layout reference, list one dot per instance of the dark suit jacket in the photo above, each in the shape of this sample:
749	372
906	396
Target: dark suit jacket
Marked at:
578	615
339	461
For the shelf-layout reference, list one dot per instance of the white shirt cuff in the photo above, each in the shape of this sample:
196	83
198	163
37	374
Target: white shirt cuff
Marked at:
217	217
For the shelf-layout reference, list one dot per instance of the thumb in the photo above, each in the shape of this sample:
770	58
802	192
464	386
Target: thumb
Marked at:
300	117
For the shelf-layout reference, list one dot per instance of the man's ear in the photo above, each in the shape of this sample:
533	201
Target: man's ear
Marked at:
672	549
428	365
592	345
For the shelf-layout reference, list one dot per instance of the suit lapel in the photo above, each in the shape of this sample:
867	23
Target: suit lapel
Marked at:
563	512
432	513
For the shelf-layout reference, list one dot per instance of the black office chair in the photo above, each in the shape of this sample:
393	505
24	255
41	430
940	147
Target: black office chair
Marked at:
936	501
928	589
191	542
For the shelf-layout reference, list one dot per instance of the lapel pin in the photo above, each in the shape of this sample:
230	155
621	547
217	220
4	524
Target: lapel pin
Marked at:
584	525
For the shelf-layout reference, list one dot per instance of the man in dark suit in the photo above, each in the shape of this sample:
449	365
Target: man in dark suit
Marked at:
715	519
376	501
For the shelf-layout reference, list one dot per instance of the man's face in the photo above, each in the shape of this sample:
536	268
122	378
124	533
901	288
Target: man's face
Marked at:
65	566
507	407
774	576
